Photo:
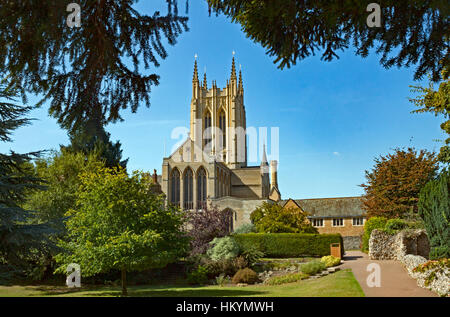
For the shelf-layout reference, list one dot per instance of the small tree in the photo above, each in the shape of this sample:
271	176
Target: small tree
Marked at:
434	208
393	186
273	218
118	223
61	172
206	225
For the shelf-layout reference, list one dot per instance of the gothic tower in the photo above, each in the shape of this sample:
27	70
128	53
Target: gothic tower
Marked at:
218	120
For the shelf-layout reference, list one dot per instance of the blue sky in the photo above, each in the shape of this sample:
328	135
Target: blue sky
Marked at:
333	117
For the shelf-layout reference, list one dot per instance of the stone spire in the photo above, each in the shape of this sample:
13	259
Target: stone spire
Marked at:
233	69
195	77
205	83
240	85
264	164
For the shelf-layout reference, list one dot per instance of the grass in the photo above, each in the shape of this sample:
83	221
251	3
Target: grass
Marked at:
339	284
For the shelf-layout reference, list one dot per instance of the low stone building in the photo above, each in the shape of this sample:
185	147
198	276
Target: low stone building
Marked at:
343	215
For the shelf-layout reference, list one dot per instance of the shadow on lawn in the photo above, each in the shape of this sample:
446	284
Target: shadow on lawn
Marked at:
150	292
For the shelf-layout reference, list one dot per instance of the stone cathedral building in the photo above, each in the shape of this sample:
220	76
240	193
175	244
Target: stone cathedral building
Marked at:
210	168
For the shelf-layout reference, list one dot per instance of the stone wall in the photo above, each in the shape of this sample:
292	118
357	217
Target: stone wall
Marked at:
384	246
352	242
411	248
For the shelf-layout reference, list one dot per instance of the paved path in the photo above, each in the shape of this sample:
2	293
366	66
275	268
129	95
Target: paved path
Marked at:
395	281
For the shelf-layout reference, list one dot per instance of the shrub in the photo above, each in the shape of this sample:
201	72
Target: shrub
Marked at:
245	228
312	267
224	266
395	225
207	225
246	275
198	276
369	225
330	260
252	255
223	248
288	278
434	208
222	279
279	245
273	218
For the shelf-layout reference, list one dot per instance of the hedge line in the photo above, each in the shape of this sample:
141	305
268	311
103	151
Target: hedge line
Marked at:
279	245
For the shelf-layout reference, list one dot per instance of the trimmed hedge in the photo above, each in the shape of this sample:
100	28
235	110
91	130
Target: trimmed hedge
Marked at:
289	245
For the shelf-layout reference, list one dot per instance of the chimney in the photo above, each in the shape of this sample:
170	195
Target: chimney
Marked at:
274	173
155	177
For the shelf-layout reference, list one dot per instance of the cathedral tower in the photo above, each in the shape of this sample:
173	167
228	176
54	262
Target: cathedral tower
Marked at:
218	119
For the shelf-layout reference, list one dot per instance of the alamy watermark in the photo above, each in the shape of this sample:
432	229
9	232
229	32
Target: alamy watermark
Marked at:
374	278
74	275
74	18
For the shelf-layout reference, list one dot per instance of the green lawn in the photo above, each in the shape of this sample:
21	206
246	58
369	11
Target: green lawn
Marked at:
341	283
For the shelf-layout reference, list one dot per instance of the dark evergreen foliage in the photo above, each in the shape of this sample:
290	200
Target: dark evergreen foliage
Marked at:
20	241
434	208
85	70
411	32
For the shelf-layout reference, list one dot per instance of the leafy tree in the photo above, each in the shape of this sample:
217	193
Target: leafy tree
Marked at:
438	103
20	241
273	218
61	173
393	185
88	70
412	32
206	225
118	223
434	208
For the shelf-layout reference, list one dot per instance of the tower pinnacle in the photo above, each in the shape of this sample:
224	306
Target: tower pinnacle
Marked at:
195	77
233	69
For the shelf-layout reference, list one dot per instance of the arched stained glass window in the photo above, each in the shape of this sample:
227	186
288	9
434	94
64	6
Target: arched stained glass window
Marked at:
188	189
175	187
201	188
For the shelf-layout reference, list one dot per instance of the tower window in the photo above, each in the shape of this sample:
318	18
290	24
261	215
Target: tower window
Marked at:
206	129
223	128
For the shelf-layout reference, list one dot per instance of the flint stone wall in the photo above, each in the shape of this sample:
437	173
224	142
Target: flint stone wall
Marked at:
411	248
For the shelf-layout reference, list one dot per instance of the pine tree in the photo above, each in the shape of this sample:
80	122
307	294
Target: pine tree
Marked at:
434	208
90	69
18	238
411	32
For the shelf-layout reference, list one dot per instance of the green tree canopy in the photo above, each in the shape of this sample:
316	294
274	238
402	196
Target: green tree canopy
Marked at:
118	223
411	32
62	175
437	102
273	218
393	185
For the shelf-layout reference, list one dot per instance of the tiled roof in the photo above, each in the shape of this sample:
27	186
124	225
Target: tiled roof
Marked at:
330	207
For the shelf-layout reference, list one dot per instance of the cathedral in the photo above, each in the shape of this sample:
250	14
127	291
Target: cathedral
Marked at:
210	167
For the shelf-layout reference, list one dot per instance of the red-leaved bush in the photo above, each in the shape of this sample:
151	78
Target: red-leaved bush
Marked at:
206	225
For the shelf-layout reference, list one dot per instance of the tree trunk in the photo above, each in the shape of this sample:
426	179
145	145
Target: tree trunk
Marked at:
124	282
